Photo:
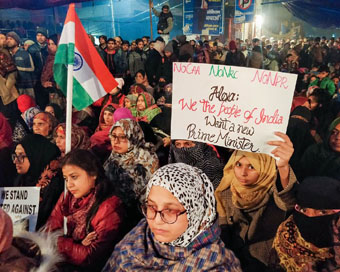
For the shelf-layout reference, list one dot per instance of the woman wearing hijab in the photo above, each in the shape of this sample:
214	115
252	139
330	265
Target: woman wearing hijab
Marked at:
200	155
147	111
100	141
323	159
44	124
309	239
7	169
24	124
180	231
253	199
35	159
131	153
94	214
79	138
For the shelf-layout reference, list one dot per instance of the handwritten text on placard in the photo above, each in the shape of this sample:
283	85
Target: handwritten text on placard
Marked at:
234	107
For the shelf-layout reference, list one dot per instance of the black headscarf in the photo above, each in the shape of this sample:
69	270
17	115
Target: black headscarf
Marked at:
40	152
201	156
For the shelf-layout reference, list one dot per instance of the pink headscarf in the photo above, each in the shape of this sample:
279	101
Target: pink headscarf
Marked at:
123	113
6	231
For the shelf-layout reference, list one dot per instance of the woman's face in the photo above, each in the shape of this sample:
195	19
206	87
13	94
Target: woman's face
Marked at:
119	141
108	118
127	103
41	127
334	139
245	172
52	47
60	142
141	103
184	143
139	78
50	110
313	212
161	199
22	164
79	183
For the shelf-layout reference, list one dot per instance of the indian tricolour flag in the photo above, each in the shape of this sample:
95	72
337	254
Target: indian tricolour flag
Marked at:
91	78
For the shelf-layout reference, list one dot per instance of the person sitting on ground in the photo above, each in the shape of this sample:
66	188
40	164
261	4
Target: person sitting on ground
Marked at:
35	159
100	141
132	154
323	159
94	214
253	199
179	230
200	155
79	138
44	124
308	240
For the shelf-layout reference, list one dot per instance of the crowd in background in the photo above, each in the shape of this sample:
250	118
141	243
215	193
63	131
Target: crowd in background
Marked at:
138	200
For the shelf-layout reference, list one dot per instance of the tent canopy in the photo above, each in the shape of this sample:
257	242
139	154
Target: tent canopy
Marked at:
35	4
318	13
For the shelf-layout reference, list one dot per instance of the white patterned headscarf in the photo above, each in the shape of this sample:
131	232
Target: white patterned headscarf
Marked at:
194	191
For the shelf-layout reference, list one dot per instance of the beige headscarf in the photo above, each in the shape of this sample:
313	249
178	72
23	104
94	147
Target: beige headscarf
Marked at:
246	196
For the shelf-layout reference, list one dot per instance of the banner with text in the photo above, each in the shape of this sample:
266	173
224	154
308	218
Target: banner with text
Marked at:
229	106
21	204
203	17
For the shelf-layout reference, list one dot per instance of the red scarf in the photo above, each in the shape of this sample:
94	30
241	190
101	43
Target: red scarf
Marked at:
76	211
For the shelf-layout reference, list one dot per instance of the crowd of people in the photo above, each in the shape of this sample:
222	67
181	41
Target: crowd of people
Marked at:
138	200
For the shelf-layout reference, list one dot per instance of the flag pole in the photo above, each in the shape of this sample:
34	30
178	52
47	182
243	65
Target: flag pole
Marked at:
69	95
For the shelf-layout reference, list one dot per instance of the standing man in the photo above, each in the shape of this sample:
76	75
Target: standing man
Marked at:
137	58
165	23
42	42
8	92
24	63
110	53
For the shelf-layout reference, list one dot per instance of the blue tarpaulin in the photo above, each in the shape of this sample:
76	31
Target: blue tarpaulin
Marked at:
35	4
318	13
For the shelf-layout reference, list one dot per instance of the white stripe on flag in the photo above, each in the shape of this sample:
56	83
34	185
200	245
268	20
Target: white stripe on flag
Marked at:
87	79
68	33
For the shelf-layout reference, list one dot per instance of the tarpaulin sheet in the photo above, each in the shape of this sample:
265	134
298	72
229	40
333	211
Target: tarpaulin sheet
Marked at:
35	4
318	13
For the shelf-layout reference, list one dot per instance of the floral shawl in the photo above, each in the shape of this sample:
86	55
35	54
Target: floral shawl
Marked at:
292	253
139	154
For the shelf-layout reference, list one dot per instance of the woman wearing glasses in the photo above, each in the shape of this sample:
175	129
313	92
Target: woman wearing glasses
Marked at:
180	231
131	164
35	159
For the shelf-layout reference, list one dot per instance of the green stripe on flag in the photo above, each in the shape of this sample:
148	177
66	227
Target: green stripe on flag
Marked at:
65	56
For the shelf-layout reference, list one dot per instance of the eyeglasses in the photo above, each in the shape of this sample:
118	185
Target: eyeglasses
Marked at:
19	158
120	138
168	216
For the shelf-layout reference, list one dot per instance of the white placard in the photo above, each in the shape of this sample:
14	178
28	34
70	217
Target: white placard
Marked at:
229	106
21	203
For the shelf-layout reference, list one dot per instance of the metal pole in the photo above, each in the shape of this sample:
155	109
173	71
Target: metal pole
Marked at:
150	14
113	19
